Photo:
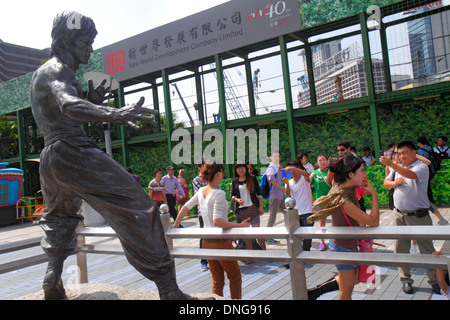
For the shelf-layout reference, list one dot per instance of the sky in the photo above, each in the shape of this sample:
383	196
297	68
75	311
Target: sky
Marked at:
29	22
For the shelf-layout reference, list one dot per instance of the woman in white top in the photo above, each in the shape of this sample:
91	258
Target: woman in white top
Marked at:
214	208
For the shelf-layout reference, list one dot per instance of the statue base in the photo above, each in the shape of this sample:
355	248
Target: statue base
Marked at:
104	291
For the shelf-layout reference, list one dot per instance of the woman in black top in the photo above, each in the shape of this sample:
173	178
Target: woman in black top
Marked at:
246	199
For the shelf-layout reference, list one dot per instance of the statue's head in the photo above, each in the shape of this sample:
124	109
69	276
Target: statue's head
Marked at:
70	32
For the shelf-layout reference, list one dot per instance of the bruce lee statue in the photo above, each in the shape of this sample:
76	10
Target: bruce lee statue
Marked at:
73	167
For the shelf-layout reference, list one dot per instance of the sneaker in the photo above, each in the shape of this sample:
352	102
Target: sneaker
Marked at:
272	241
322	246
446	294
435	288
204	266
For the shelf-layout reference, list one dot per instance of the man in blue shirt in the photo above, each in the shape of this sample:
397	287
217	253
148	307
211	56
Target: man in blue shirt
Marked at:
276	194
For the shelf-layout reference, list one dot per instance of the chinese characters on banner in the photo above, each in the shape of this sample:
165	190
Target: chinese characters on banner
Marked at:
219	29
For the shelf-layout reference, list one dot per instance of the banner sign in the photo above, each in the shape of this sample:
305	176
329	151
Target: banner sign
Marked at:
229	26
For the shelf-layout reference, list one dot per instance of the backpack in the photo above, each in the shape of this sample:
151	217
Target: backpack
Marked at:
435	160
265	185
443	154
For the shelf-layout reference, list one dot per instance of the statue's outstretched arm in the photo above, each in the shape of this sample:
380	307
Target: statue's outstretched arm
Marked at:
85	111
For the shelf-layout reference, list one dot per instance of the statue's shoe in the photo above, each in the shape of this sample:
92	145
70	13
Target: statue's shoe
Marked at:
179	295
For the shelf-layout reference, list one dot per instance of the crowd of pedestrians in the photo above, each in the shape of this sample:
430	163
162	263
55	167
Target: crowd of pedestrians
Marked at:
333	187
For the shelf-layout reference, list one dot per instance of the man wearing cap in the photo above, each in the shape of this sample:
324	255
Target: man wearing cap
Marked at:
171	184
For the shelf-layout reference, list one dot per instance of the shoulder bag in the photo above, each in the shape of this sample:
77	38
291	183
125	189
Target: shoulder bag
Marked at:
366	273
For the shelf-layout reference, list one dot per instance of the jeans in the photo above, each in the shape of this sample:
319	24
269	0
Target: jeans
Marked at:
333	247
274	205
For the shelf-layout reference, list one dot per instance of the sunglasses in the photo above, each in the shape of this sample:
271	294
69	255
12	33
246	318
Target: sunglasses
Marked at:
340	150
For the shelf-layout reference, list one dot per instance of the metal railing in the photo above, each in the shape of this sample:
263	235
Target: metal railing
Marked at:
12	265
294	254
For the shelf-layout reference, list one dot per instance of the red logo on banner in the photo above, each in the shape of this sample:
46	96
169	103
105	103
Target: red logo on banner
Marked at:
260	12
271	10
116	62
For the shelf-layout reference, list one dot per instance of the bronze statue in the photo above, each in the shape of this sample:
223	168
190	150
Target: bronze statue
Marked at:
73	167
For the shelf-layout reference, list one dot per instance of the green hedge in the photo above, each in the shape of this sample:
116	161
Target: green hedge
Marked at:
375	174
320	134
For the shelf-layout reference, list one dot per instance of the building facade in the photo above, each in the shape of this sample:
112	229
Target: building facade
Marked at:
429	39
16	61
342	76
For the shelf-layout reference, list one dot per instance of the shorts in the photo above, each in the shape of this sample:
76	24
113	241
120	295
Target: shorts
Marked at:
333	247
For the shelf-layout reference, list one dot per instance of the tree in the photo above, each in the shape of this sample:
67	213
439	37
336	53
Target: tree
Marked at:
9	138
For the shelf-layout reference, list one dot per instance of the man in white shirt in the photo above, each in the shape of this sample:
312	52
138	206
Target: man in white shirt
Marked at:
442	149
299	188
410	180
368	158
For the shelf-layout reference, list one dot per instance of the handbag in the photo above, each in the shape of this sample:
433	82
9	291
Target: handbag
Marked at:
250	212
246	212
366	273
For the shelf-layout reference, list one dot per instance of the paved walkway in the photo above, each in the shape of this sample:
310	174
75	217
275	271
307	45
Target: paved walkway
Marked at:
261	280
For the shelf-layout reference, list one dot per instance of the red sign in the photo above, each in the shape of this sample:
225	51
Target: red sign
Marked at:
116	62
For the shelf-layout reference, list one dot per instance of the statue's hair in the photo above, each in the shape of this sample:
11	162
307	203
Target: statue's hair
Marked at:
64	31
